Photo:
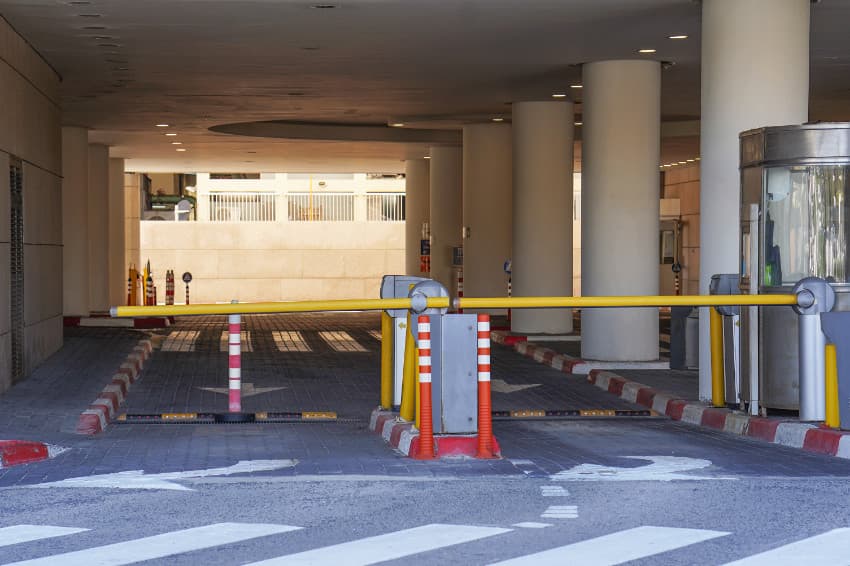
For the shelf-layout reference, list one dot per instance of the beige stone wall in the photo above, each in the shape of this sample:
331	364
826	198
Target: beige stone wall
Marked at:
30	130
275	261
682	182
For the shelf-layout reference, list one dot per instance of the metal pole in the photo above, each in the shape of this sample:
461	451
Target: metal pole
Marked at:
833	418
386	361
753	318
718	394
234	349
407	411
426	428
485	407
814	296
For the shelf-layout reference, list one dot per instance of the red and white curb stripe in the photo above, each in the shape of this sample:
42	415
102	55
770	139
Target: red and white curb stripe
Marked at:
234	344
560	362
103	409
808	437
404	437
15	452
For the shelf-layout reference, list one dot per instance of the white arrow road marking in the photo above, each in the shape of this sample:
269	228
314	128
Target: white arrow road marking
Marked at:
616	548
161	546
501	386
248	390
390	546
662	468
137	479
29	533
832	547
560	512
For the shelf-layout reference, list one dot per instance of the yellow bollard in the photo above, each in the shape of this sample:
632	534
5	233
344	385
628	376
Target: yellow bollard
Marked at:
407	411
833	417
718	387
386	361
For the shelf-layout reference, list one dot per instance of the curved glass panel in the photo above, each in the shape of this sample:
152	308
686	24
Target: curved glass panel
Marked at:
805	224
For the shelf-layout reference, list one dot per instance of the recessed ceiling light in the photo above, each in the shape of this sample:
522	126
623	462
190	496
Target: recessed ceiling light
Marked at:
397	124
181	149
690	160
677	37
108	45
427	157
171	134
696	158
576	86
89	15
162	125
646	50
577	123
559	95
176	143
498	119
682	162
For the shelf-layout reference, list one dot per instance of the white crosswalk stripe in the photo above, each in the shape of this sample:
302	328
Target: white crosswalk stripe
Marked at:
161	546
561	512
27	533
616	548
390	546
832	548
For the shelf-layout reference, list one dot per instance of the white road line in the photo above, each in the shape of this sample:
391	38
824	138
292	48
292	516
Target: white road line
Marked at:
832	547
532	525
390	546
28	533
616	548
553	491
561	512
161	546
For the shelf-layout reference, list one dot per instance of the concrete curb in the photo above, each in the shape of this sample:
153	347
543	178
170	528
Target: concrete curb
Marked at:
16	452
404	437
102	410
105	321
794	434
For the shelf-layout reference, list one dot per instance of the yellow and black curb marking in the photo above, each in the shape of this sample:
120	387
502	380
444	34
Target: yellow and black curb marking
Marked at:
554	413
215	418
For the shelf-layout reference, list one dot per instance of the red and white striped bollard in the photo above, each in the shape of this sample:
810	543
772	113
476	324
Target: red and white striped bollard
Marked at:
485	411
460	288
426	422
234	349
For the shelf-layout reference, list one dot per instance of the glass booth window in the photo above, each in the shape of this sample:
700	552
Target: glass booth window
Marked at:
805	225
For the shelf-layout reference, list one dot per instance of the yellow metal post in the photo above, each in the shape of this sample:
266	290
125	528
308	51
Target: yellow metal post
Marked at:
407	411
718	387
386	361
833	418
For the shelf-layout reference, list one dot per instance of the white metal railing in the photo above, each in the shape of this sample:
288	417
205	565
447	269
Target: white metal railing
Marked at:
385	207
321	207
242	207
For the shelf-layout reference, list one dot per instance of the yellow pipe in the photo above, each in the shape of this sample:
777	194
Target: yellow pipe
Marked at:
407	411
623	301
275	307
718	387
833	419
386	361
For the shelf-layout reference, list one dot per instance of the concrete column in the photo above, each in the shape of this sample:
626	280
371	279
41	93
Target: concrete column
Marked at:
446	196
417	174
98	232
75	221
620	198
542	212
767	87
487	208
117	269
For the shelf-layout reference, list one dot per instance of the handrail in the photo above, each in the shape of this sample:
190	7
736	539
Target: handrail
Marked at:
625	301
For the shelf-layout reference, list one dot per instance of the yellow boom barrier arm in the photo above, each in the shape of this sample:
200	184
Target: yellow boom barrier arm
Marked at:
624	301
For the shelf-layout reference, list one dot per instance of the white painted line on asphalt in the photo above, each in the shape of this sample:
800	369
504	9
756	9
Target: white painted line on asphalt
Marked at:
553	491
161	546
390	546
832	547
532	525
561	512
28	533
616	548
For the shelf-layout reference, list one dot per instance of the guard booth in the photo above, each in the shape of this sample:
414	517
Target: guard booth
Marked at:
454	355
794	204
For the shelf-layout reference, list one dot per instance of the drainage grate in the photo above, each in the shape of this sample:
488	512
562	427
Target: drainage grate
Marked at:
17	269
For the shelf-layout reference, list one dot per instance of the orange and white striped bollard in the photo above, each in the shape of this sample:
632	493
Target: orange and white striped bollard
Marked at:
426	418
485	411
234	350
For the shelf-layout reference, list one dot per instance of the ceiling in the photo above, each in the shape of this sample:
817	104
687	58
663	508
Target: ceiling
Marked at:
128	65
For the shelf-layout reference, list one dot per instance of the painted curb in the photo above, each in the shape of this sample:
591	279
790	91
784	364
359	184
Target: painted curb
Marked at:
16	452
103	409
794	434
403	437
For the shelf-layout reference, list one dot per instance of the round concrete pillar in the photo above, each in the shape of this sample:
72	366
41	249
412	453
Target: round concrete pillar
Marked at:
542	212
446	195
417	190
738	95
98	202
620	195
487	218
75	221
117	269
